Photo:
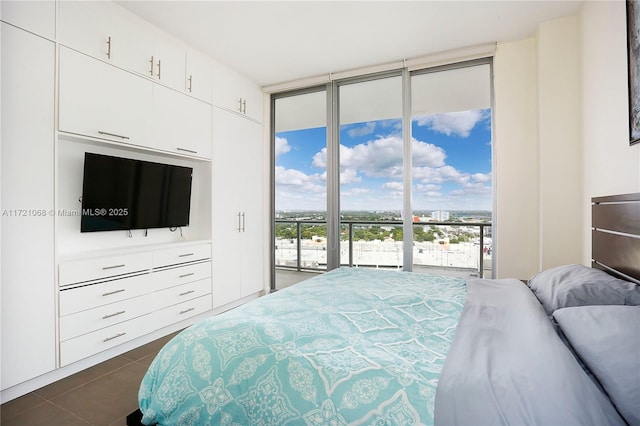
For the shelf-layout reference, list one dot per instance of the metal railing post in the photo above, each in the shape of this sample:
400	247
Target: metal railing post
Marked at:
481	272
298	245
350	244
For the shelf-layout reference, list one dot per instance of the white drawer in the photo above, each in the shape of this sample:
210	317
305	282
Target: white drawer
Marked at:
91	296
84	322
181	275
181	293
78	271
182	254
84	346
182	311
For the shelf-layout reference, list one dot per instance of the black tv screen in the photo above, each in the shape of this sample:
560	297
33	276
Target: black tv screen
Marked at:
123	194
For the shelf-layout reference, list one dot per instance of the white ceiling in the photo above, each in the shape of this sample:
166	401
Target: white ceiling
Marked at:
278	41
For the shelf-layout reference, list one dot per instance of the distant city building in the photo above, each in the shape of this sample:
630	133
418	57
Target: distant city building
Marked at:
440	216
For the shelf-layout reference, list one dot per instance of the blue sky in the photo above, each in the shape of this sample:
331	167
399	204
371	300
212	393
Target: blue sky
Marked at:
451	164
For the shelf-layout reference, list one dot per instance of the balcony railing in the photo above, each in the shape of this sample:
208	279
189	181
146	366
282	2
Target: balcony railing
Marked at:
460	246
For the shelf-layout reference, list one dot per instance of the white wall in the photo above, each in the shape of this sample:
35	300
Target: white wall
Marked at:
561	137
559	143
516	166
610	165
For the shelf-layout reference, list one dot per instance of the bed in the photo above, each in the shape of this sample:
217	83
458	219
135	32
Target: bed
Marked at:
375	347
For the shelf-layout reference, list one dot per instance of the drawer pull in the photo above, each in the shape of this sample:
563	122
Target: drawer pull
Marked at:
186	275
113	267
100	132
187	292
187	310
186	255
113	315
113	292
114	337
187	150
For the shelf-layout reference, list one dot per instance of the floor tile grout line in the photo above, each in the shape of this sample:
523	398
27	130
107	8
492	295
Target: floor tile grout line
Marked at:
102	376
31	407
76	415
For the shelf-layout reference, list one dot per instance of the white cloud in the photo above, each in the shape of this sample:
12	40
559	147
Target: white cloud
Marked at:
393	186
435	182
367	129
426	154
282	146
453	123
481	177
437	175
295	179
382	157
349	176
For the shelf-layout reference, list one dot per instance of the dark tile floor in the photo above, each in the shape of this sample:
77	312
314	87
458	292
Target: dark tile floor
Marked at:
102	395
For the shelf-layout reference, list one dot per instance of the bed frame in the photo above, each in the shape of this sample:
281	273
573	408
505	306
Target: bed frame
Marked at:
615	235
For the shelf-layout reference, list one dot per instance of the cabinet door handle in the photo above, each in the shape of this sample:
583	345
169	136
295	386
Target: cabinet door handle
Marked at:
159	69
151	70
109	47
186	310
190	83
113	292
113	315
100	132
240	105
187	292
243	221
114	337
239	226
186	275
185	255
244	106
190	151
113	267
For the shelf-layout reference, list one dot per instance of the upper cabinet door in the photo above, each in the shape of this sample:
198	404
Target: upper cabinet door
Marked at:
102	101
181	124
106	31
199	81
169	60
235	92
38	16
87	27
132	44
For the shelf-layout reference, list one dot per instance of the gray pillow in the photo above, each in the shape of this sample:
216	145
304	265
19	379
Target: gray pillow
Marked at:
578	285
607	339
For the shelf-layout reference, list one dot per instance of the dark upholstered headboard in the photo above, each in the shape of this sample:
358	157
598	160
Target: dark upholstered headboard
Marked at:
615	235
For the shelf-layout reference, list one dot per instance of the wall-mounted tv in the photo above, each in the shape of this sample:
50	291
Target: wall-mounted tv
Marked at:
124	194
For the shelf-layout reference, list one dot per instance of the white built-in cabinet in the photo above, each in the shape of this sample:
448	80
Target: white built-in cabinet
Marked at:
180	124
108	300
107	32
199	71
123	88
235	92
237	207
28	337
106	102
38	16
102	101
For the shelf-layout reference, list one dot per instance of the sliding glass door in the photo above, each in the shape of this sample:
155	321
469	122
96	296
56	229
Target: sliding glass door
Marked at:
300	185
371	172
452	169
391	170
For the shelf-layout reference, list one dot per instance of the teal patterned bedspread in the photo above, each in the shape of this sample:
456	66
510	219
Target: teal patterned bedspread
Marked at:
352	346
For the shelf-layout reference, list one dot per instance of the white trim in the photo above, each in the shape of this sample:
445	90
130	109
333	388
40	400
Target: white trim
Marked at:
452	56
433	60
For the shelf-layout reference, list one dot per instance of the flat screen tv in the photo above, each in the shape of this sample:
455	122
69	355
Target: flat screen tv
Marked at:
124	194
